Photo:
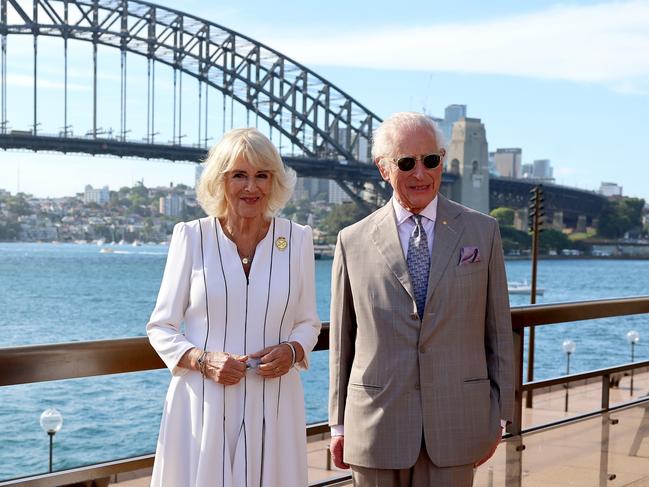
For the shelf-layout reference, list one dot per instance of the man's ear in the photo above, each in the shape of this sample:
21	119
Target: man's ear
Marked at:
385	172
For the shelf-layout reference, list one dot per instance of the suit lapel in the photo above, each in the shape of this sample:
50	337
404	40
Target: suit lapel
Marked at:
385	237
448	230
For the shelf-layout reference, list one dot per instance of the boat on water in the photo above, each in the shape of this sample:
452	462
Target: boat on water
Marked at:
522	287
106	250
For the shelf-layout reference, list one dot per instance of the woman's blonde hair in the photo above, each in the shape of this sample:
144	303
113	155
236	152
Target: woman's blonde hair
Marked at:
260	152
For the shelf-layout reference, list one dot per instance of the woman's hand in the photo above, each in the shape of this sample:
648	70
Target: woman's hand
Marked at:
278	359
225	368
222	367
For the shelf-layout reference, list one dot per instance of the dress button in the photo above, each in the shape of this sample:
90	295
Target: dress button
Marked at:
414	316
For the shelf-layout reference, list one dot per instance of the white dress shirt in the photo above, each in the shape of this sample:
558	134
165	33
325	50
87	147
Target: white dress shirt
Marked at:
405	225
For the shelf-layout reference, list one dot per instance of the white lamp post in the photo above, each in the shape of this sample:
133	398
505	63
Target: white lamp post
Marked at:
51	422
569	348
633	337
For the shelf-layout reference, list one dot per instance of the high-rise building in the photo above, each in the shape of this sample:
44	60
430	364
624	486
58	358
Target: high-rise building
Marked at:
508	161
172	205
542	170
610	189
336	194
527	171
310	189
452	114
198	173
100	196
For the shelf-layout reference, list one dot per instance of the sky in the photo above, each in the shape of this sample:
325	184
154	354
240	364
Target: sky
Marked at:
566	81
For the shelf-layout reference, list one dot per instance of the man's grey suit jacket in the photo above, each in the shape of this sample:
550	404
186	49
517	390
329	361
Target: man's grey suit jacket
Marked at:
394	377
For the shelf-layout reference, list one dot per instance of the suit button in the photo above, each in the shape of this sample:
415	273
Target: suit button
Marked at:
417	387
414	316
423	349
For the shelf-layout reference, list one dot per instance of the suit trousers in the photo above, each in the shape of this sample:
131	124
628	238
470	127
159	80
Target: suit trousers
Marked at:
423	473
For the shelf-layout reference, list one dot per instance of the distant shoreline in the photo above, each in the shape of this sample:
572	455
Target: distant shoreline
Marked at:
579	257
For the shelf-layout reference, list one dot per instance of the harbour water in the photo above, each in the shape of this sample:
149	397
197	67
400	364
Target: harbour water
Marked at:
60	293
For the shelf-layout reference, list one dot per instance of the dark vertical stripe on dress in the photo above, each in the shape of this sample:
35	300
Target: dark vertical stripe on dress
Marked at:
225	336
245	379
288	297
207	314
263	394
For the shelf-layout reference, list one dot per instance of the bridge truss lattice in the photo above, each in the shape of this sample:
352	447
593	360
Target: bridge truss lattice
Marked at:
312	114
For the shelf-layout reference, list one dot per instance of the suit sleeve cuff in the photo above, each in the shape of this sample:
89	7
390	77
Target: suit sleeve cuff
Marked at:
338	430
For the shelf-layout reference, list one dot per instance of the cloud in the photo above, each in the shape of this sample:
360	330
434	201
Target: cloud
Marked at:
604	43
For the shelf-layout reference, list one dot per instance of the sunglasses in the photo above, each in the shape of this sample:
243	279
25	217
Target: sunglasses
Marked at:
407	163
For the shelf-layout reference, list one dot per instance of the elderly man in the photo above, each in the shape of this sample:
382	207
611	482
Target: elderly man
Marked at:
421	346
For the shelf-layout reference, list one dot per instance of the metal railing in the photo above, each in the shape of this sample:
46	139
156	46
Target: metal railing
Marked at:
39	363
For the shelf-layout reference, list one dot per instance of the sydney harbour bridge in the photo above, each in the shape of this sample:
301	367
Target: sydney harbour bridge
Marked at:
175	82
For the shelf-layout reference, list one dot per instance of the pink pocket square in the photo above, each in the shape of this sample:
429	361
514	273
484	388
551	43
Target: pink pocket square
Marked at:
469	255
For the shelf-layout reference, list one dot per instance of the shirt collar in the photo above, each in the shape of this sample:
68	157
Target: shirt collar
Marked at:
402	214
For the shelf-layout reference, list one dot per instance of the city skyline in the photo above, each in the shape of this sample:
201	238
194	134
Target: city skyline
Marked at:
566	82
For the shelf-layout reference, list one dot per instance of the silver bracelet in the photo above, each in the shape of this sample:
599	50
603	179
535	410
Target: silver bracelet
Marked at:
293	353
201	362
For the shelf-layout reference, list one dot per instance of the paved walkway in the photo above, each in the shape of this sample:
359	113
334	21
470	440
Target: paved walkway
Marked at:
570	455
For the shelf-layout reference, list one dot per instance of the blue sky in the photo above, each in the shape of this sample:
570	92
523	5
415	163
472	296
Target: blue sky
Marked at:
566	81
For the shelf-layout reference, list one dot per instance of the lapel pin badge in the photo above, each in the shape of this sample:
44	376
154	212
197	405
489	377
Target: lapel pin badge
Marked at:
281	243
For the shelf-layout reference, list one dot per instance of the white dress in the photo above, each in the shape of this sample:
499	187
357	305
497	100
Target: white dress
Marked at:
251	434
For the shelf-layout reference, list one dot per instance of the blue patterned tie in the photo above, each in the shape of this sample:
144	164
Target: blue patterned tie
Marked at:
418	260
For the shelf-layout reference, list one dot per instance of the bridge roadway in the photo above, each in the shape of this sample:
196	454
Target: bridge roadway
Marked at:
305	166
572	202
513	193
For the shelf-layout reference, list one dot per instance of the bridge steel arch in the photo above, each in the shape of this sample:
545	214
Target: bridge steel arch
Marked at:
317	117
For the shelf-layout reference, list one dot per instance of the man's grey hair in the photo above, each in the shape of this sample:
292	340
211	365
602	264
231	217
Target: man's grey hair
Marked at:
383	137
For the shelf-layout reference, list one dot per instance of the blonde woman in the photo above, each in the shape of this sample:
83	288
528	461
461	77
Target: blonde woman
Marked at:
242	282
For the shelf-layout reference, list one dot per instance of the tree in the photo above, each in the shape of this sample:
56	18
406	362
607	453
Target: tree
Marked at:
514	240
342	216
551	239
9	230
18	205
620	216
505	216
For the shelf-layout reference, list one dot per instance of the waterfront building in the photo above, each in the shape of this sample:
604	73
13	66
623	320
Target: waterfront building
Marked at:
452	113
311	189
610	189
172	205
468	156
508	162
527	171
542	170
336	194
100	196
197	173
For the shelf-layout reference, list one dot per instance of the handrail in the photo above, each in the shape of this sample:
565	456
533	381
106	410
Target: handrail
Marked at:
548	314
591	374
39	363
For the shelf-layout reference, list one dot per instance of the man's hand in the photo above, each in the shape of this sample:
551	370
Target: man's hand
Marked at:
336	448
492	450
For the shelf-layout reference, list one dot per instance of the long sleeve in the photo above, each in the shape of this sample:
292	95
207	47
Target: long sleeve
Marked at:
163	328
342	334
498	333
307	324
